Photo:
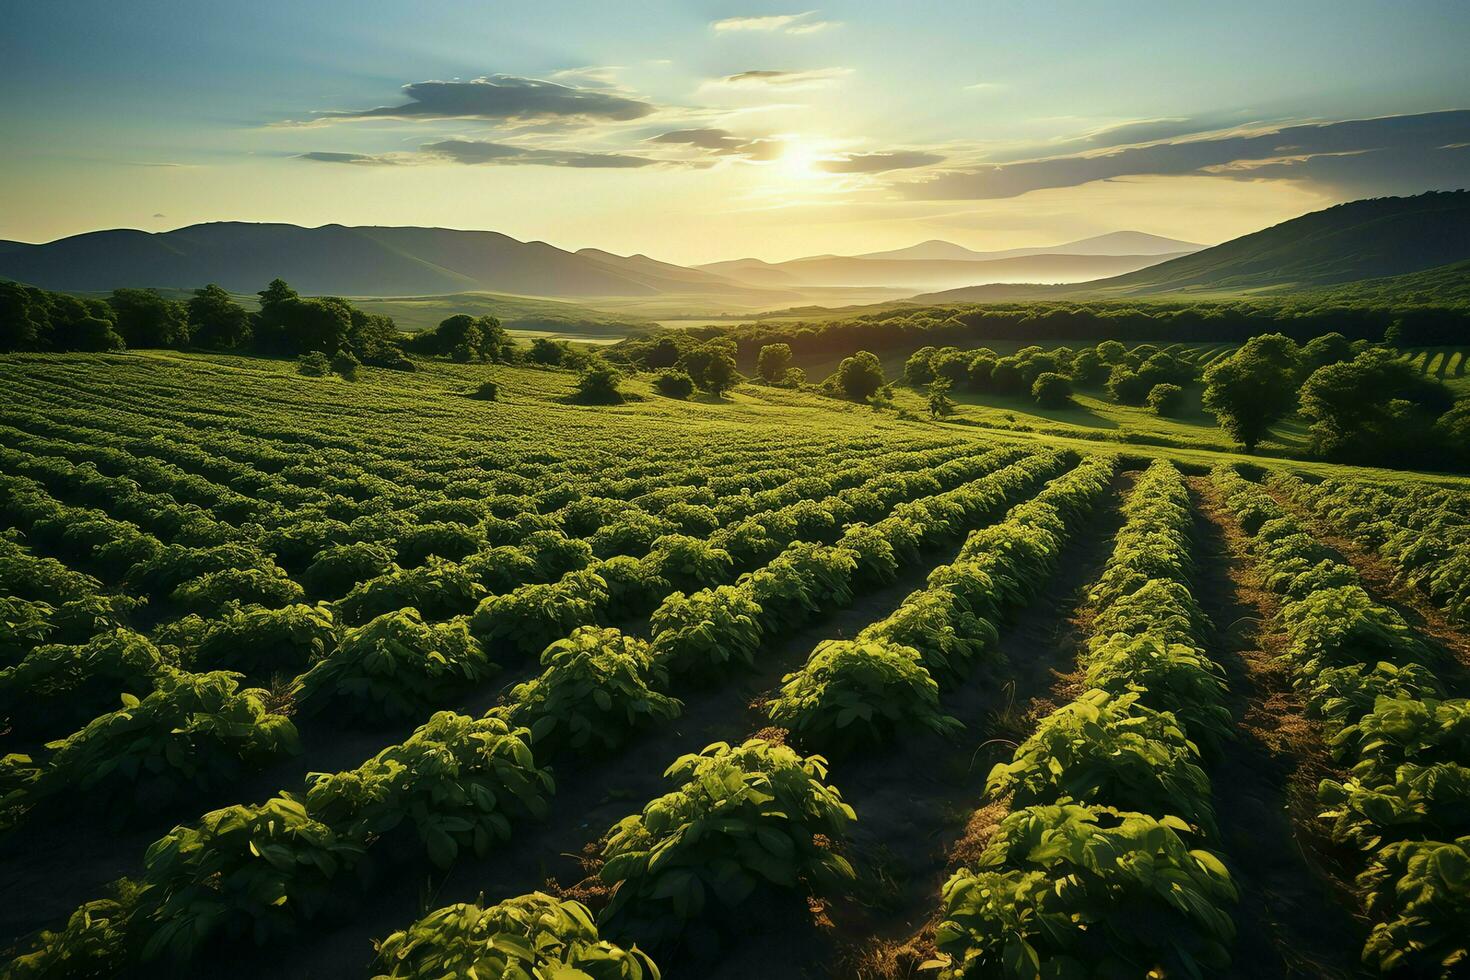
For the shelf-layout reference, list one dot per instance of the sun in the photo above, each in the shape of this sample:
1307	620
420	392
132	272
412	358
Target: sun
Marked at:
798	161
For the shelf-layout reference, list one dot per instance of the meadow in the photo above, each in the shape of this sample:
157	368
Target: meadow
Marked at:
321	677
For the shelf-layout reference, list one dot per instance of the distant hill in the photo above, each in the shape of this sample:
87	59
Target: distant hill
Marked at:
1444	285
349	261
1113	243
928	273
1367	239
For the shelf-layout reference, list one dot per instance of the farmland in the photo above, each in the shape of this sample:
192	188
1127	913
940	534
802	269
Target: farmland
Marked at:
316	677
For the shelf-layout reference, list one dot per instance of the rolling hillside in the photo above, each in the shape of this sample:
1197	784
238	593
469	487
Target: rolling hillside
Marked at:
339	260
1367	239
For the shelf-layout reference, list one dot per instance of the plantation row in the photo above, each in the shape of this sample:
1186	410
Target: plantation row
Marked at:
1375	688
202	879
1104	864
1423	532
399	667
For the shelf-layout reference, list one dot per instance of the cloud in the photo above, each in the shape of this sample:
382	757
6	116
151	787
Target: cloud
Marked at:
876	163
722	142
985	87
357	159
509	98
504	154
485	153
771	23
1389	154
772	78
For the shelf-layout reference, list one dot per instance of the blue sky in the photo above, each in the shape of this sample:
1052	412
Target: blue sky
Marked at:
696	131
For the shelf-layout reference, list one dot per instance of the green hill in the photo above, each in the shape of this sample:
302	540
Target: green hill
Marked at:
1369	239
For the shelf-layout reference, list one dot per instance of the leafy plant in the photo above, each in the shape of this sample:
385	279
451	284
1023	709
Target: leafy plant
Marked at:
597	687
56	688
254	640
1420	890
529	936
457	782
708	631
396	667
1070	890
753	815
532	616
437	588
1112	751
854	692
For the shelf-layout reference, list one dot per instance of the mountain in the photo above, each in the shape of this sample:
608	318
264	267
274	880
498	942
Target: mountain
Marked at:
1113	243
844	270
348	261
1368	239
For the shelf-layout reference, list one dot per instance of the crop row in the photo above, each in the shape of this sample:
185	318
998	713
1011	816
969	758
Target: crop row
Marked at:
1406	803
887	680
1102	866
1419	530
205	881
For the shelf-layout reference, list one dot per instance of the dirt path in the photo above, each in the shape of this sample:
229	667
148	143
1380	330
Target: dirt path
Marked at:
1296	916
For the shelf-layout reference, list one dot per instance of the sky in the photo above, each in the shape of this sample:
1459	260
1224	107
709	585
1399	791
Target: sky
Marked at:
696	132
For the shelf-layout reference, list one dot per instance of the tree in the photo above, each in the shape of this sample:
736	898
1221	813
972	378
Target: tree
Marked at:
598	384
951	364
860	376
711	365
663	352
673	384
981	372
316	324
1249	391
488	391
1329	348
550	352
1088	370
216	321
313	364
1111	352
1372	409
1005	377
277	292
773	362
917	370
1166	400
940	404
146	319
1125	386
345	364
1051	389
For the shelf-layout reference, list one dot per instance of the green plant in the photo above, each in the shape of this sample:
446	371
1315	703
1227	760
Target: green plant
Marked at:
855	692
1420	890
598	686
193	733
396	667
256	641
532	616
746	816
457	782
255	872
1072	891
708	631
55	688
1112	751
529	936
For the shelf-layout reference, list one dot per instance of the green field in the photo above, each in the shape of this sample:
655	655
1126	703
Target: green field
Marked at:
328	657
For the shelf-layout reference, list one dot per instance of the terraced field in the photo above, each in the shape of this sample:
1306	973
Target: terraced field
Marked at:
308	678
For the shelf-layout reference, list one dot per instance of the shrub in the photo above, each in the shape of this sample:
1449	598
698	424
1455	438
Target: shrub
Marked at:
673	383
396	667
193	733
598	385
487	391
456	784
1166	400
345	363
1072	890
745	817
1112	751
1051	390
534	615
855	692
598	685
705	632
337	568
528	936
314	364
258	641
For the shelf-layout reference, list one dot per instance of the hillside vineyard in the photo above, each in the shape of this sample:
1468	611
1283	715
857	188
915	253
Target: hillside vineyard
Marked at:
308	678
